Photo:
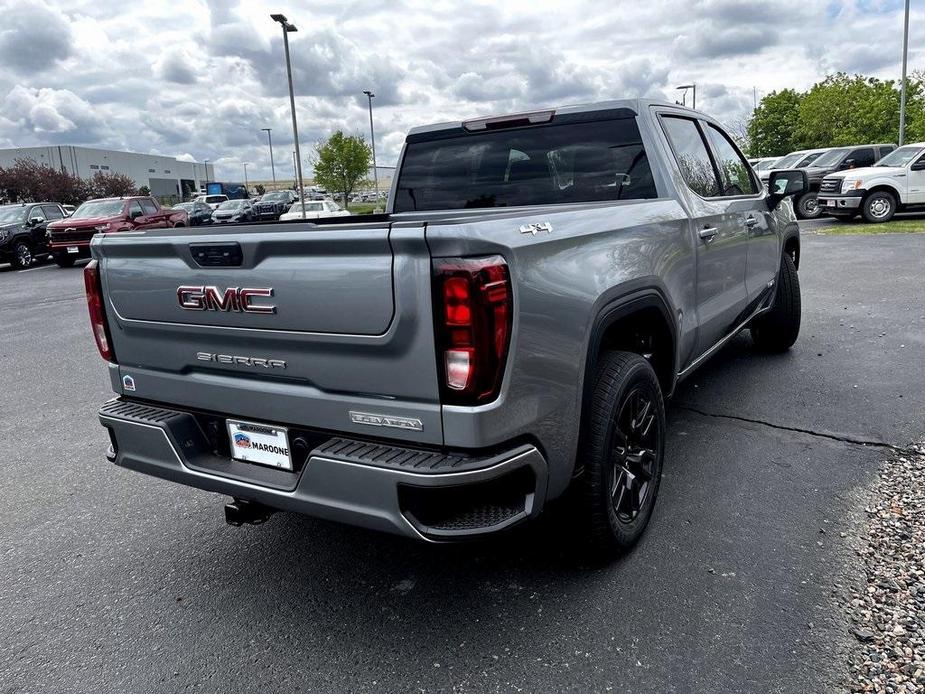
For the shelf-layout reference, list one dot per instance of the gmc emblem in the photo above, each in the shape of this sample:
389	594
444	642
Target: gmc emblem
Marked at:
232	299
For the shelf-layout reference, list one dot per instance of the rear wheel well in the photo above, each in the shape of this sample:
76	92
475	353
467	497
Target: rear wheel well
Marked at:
792	248
646	332
641	326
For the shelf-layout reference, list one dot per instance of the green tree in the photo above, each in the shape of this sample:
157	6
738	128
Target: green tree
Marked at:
771	131
27	180
112	185
846	110
342	163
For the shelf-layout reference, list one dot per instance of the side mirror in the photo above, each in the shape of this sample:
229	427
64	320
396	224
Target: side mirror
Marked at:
35	221
785	183
134	214
847	164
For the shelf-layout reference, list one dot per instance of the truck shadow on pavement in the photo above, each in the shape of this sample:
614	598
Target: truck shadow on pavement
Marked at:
722	582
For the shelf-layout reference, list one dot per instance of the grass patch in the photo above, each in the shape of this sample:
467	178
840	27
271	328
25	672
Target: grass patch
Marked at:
363	207
901	226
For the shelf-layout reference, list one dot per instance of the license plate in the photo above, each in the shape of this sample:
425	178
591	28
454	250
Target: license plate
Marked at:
262	444
73	249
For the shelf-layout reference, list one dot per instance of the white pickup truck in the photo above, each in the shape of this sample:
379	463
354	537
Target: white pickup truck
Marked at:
894	184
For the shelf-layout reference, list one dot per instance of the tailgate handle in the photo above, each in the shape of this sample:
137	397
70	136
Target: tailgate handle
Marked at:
217	254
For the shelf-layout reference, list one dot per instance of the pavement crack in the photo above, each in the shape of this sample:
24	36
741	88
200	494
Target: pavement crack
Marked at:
844	438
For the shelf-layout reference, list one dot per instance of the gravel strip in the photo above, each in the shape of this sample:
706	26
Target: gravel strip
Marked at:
888	614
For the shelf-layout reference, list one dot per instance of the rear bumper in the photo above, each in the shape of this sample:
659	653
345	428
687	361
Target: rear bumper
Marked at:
418	493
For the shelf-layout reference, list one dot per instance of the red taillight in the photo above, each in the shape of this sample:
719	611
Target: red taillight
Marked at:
97	312
473	326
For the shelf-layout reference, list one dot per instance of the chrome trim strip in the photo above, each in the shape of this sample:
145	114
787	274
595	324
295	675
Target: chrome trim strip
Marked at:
722	342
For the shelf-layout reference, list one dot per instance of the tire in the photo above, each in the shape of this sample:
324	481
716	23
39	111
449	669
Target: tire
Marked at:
65	260
807	207
22	255
778	329
615	493
878	207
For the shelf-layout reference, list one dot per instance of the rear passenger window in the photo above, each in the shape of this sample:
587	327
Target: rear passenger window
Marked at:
691	154
734	170
149	207
562	162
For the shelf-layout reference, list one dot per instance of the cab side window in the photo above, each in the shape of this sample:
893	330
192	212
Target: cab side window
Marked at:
691	153
134	210
149	207
733	168
860	157
52	212
36	213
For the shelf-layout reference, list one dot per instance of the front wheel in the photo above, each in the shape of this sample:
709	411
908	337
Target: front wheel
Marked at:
807	206
879	207
64	260
22	255
621	453
777	329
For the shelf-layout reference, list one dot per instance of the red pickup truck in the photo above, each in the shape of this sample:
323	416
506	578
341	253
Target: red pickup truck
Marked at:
69	238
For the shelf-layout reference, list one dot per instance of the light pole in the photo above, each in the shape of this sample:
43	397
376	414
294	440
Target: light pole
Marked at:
287	28
205	165
902	93
685	87
372	137
270	143
245	180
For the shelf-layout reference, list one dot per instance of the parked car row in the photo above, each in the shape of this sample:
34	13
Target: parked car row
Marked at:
895	183
69	238
820	163
29	231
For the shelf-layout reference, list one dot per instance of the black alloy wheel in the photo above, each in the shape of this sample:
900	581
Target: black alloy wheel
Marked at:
22	255
634	450
621	454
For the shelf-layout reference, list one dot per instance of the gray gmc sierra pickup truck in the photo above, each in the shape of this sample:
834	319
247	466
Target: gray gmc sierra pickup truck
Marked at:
507	332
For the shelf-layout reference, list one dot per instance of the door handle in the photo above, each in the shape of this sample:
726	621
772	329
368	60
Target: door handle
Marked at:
751	221
707	233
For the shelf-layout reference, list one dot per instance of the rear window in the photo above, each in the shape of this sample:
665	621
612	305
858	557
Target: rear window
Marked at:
556	163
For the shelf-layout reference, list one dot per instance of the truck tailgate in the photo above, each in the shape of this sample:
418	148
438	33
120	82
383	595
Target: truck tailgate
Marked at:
332	324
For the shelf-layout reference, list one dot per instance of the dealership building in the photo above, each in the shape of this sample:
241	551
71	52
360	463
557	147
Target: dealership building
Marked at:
164	176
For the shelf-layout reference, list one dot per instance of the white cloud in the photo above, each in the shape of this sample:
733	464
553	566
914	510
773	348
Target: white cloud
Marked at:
203	78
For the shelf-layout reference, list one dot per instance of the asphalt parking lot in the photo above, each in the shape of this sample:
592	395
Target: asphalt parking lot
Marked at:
111	581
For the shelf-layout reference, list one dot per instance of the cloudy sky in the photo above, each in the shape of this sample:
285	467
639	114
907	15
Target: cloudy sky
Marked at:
200	79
